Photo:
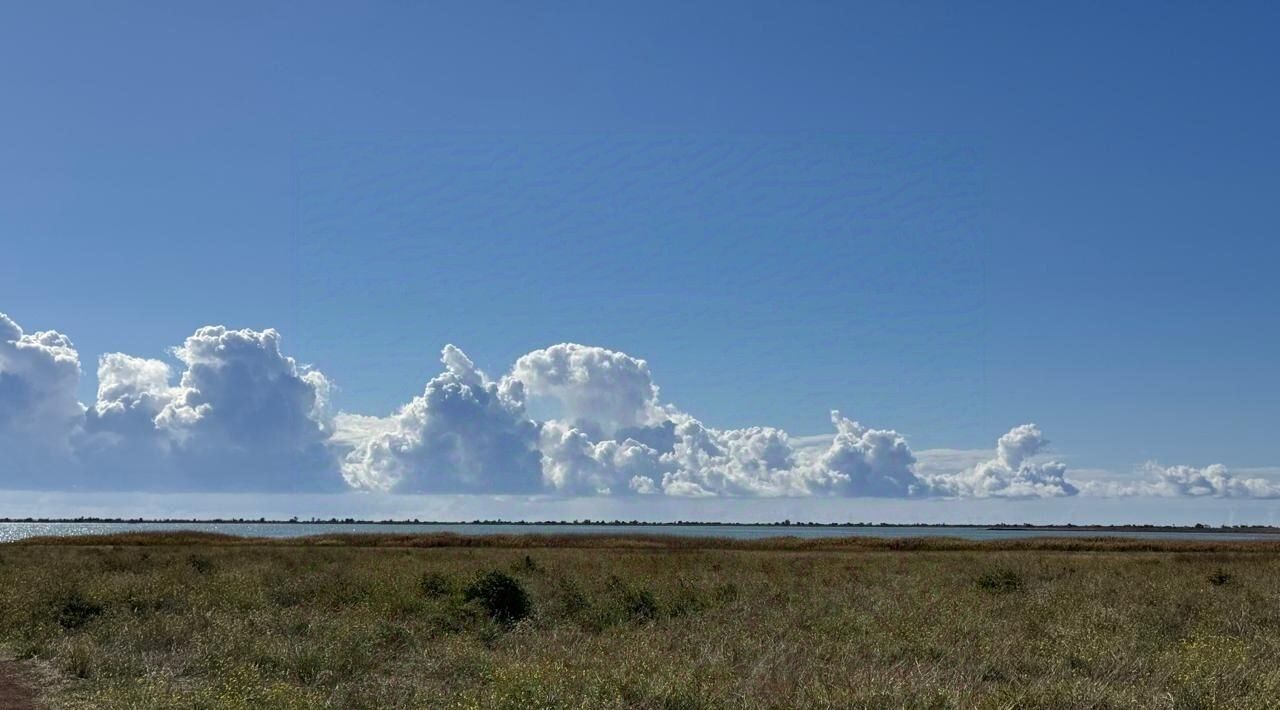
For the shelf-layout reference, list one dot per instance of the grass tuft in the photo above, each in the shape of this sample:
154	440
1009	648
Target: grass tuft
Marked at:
1220	577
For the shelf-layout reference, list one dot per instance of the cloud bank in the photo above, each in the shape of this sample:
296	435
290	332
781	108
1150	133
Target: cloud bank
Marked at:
230	411
1213	481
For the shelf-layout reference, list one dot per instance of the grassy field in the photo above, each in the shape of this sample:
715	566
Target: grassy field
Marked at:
169	621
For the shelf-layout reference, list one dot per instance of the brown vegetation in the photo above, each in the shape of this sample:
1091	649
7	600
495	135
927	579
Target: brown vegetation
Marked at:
668	542
200	621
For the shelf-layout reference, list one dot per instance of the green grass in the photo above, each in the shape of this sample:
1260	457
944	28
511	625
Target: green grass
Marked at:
184	621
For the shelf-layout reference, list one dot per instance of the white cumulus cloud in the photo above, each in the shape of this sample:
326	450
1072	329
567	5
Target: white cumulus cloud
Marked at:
39	373
682	456
595	387
1012	472
869	462
464	433
242	416
574	464
1212	481
228	410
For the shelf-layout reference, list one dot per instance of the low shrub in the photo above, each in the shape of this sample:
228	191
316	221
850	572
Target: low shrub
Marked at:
202	565
1000	581
687	599
638	603
75	610
572	600
726	592
501	595
1220	577
641	604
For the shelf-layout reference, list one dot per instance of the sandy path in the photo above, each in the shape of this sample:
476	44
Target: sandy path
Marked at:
16	692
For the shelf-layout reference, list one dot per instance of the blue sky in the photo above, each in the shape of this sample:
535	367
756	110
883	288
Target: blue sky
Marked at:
941	219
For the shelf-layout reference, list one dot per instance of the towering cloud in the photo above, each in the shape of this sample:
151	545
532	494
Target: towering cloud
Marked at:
238	388
464	433
242	416
39	373
871	462
133	387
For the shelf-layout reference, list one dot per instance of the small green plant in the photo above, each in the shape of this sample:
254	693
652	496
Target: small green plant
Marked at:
1220	577
526	565
435	584
501	595
638	602
76	610
687	599
1000	581
572	599
641	604
202	565
726	592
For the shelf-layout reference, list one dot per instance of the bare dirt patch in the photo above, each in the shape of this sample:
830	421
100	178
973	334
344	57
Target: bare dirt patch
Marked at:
16	692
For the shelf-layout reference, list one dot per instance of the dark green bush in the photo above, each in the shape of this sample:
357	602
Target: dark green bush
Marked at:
641	604
1220	577
75	610
501	595
1000	581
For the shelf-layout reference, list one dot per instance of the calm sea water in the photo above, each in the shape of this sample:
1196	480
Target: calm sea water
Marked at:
17	531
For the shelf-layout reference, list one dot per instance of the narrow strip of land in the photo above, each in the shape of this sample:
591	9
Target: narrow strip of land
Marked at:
1100	543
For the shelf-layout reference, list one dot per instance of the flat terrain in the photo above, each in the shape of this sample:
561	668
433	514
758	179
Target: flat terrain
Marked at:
16	687
201	621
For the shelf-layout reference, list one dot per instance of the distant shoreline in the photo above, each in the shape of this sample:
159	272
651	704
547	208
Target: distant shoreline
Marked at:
643	524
